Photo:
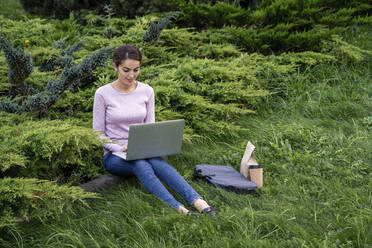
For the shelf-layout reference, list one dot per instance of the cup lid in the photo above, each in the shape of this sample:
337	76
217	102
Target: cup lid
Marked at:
255	166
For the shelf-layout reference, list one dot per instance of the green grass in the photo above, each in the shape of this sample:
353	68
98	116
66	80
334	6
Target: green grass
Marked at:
314	142
314	145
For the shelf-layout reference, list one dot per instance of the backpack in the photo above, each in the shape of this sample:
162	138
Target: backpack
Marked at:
225	177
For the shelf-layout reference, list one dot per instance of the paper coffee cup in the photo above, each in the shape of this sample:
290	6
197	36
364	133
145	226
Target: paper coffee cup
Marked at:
256	175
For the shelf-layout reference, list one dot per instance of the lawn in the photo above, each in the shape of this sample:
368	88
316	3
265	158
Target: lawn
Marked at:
313	138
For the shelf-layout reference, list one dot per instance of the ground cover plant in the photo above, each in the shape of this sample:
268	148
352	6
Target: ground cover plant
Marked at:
307	109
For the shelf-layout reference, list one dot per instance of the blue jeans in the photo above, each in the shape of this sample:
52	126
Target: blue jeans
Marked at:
149	171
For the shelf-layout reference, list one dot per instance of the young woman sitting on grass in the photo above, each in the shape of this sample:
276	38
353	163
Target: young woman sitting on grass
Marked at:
126	101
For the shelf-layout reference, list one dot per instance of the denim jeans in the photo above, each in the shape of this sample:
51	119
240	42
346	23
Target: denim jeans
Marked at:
149	171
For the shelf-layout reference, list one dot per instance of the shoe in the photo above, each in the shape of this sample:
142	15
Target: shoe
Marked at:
210	211
193	214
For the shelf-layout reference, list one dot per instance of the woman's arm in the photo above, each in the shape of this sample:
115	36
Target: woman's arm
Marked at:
99	122
150	107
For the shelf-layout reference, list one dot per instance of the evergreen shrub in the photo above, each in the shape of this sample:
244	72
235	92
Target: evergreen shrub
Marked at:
59	151
277	26
20	67
25	198
175	57
52	150
134	8
203	16
43	55
73	103
210	93
347	53
179	41
73	76
130	9
4	82
153	32
56	8
217	51
37	32
274	40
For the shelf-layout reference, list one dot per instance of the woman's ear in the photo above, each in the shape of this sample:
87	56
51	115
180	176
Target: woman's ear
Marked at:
114	65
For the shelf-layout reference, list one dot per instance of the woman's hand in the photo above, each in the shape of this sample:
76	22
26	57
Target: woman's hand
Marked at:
125	147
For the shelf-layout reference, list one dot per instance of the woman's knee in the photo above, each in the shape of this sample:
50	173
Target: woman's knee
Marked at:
110	161
159	163
143	169
116	166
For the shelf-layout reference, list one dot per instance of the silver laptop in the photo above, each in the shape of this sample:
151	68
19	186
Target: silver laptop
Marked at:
149	140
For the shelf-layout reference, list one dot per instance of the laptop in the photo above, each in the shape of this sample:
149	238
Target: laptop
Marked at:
147	140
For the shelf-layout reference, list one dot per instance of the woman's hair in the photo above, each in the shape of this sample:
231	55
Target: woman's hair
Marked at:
126	52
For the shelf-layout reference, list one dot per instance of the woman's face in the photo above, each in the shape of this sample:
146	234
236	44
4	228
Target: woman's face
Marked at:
128	71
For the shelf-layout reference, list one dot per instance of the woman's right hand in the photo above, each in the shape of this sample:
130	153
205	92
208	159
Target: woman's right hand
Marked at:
125	147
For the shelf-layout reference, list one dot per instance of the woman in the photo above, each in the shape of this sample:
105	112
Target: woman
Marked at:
126	101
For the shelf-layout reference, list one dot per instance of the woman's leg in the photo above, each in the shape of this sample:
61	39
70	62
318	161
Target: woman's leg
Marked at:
143	170
151	182
116	165
173	179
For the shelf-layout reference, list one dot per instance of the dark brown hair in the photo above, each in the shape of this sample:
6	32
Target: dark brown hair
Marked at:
126	52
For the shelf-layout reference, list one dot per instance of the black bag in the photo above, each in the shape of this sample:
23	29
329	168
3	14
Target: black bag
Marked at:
225	177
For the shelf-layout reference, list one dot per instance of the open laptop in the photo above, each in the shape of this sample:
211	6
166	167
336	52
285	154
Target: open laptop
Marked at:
147	140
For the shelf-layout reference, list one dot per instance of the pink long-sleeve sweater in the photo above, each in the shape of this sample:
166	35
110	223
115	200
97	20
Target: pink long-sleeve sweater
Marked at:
114	112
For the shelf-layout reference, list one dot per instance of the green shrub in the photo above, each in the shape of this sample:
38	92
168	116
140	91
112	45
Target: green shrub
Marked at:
277	26
346	52
209	93
73	102
174	62
216	51
25	198
130	9
43	55
58	9
27	33
4	83
274	40
202	16
24	98
330	12
53	150
20	67
153	32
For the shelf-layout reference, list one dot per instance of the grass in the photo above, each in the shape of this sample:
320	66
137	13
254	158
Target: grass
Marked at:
314	146
314	142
